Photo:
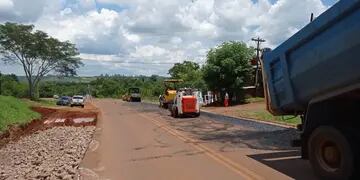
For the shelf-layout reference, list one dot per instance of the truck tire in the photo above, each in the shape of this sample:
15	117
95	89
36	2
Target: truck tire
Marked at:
330	154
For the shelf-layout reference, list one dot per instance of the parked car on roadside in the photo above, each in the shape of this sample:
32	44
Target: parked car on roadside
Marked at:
77	101
63	101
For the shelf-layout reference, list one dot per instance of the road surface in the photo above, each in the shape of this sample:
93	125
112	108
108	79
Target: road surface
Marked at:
137	141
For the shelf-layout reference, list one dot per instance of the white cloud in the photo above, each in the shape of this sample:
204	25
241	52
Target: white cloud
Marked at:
176	40
6	5
97	32
21	10
158	31
148	51
286	17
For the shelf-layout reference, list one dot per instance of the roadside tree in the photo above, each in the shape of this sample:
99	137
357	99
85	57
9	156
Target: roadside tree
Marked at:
228	68
190	72
37	53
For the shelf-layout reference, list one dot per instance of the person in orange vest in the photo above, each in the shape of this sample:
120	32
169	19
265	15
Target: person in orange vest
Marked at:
226	100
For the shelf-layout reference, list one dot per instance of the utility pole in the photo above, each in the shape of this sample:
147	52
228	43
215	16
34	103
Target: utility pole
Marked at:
258	41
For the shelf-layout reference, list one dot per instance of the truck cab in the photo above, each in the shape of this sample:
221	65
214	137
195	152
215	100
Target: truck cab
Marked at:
185	103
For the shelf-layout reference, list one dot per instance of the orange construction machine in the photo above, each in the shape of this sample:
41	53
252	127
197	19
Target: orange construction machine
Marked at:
185	103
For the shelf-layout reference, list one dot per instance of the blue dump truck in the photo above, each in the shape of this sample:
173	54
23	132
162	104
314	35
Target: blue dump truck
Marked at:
315	74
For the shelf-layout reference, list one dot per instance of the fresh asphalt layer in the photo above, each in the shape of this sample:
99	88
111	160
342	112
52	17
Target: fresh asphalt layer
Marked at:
142	141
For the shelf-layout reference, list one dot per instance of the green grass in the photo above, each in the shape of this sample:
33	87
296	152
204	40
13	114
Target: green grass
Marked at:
41	102
266	116
47	102
15	111
254	100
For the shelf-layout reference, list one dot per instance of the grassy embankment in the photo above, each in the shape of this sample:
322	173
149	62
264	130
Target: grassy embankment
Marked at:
44	102
262	114
15	111
47	102
266	116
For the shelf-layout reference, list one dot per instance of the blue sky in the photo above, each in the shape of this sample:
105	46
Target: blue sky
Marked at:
111	6
329	2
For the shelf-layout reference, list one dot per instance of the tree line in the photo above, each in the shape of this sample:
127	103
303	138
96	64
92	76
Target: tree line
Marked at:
104	86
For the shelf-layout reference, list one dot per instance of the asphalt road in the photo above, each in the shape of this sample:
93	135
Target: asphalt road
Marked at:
140	141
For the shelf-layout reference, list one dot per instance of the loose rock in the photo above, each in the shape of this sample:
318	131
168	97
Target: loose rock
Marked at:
51	154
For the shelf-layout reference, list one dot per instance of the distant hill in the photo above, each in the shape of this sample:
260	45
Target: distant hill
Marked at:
62	79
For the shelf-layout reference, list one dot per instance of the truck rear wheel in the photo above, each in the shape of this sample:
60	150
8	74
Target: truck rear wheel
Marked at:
330	154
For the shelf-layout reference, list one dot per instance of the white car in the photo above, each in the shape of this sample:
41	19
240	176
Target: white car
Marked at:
77	101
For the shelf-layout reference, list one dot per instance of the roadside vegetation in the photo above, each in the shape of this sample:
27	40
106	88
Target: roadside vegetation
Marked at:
260	113
15	111
44	102
228	69
264	115
254	99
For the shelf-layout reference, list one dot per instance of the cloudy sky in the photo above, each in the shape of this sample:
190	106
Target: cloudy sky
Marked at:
146	37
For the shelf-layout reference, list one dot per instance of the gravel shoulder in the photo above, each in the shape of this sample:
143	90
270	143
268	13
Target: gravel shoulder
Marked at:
48	148
51	154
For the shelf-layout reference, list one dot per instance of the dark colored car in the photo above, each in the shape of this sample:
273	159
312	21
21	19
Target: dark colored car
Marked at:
64	101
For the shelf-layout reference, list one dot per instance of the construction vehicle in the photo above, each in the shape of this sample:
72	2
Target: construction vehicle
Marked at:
316	75
185	103
169	93
132	95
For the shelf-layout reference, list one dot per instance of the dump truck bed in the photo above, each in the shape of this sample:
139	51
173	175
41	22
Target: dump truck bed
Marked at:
319	62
